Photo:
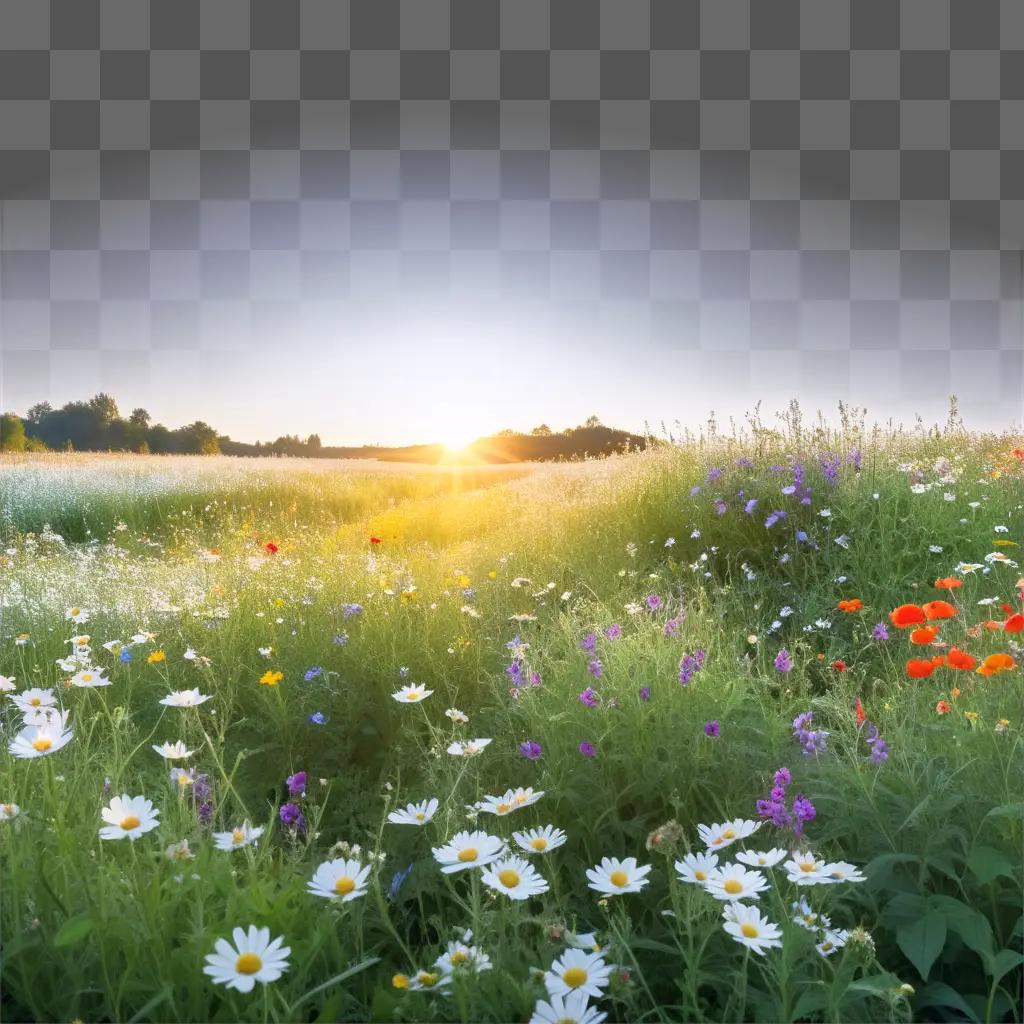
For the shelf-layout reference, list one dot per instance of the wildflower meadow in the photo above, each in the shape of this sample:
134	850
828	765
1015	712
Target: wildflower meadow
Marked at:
724	730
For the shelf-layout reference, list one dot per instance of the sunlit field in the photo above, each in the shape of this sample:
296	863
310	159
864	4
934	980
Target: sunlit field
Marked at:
725	730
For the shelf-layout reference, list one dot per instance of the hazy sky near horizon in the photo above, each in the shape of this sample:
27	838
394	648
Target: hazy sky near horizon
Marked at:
394	221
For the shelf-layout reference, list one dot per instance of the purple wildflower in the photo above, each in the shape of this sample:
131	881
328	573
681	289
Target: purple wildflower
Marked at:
589	642
744	462
689	666
313	673
614	631
880	632
782	777
672	627
348	610
535	679
813	741
297	784
318	718
695	490
589	697
720	507
653	602
803	809
588	749
291	816
530	749
712	729
125	657
714	473
783	661
645	693
341	639
595	668
750	506
773	518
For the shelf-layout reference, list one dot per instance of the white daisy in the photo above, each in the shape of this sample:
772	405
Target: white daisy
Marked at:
77	615
516	878
40	740
831	941
411	694
578	971
128	817
244	835
718	836
570	1009
460	957
805	916
805	869
7	684
342	880
252	958
761	858
467	749
614	877
176	751
423	981
735	882
540	840
747	926
841	871
29	700
583	940
696	867
415	814
184	699
468	850
511	800
9	811
90	678
45	715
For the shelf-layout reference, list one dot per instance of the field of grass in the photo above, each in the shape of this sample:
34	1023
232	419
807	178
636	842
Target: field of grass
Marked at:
627	650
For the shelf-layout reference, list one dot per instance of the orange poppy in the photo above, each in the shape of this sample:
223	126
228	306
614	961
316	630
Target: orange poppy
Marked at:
1018	453
859	709
924	635
961	660
938	610
939	660
943	707
854	604
992	625
948	583
919	669
996	663
1014	624
955	692
906	615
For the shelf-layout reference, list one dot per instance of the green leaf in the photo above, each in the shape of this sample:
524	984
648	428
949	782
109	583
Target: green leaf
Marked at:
73	930
876	984
810	1001
922	940
987	863
1002	963
938	993
880	869
1007	811
903	909
971	925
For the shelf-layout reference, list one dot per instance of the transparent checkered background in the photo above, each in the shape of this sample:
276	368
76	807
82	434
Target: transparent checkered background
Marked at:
823	197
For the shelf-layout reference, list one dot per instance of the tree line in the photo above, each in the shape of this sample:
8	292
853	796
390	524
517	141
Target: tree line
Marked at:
97	425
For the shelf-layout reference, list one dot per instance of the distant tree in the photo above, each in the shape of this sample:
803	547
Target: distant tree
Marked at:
591	422
140	418
12	433
105	408
542	431
506	432
198	438
313	443
39	412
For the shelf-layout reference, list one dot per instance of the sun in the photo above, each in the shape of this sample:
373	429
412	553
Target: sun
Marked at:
455	440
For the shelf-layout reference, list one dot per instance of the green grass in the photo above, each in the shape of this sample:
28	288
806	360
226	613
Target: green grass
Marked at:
117	931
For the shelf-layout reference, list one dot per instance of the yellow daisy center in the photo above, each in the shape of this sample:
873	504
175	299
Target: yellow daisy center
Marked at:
539	843
129	822
810	918
35	701
574	977
508	878
42	743
8	808
400	981
807	865
238	836
459	957
520	798
413	695
618	879
344	885
426	979
419	816
826	946
749	930
76	611
732	887
728	834
86	677
503	808
248	963
468	854
701	876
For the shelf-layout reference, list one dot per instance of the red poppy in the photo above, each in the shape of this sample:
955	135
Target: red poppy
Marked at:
859	710
943	707
1018	453
938	610
948	583
924	635
839	665
375	540
271	547
1008	608
919	669
961	660
906	615
1014	624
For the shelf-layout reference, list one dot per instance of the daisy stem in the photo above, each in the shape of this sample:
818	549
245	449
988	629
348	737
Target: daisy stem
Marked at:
624	945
